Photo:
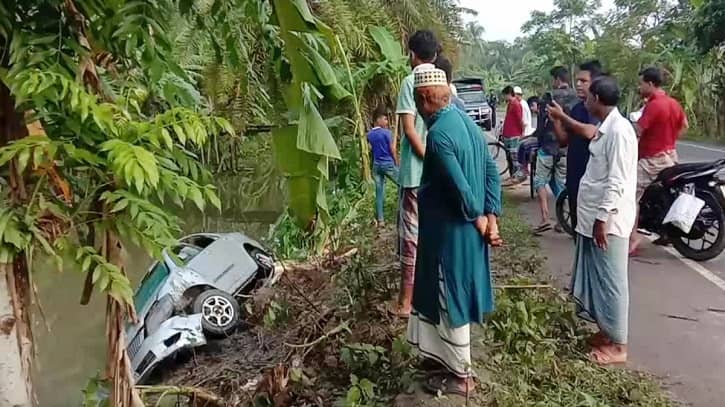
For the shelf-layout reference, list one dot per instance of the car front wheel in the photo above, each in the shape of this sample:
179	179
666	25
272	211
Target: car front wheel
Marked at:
219	312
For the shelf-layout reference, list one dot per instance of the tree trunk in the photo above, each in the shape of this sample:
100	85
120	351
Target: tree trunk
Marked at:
118	364
15	385
16	340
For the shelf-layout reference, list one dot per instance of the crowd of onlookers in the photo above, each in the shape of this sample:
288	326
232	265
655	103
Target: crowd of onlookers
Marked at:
450	191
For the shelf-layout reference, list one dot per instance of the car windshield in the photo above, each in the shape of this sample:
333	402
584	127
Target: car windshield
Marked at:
150	284
472	97
183	253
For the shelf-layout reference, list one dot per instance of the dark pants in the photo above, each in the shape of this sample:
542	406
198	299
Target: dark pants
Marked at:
573	193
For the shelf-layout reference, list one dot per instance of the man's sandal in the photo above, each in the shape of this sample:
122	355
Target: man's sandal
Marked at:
444	385
603	358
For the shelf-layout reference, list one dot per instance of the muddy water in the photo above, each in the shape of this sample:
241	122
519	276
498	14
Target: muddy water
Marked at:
73	348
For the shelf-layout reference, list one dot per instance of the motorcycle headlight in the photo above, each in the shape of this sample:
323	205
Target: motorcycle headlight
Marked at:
162	310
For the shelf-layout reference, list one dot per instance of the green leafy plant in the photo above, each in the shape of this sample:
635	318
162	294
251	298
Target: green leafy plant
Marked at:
361	393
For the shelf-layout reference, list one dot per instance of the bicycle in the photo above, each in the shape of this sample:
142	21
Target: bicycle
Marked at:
563	215
495	149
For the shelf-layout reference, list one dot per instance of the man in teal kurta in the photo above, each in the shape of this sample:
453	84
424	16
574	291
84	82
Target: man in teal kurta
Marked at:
459	201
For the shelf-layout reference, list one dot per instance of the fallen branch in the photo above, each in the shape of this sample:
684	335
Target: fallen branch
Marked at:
198	397
285	266
342	327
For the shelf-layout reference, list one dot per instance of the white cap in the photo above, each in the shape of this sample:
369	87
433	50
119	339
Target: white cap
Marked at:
429	75
518	91
425	66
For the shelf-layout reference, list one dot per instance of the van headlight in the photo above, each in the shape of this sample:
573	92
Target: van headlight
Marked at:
162	310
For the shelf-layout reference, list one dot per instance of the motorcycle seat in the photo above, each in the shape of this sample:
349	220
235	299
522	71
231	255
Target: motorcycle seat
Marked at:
672	172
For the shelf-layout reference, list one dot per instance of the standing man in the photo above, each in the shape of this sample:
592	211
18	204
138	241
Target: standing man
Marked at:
385	162
513	128
577	141
446	66
527	143
459	204
606	214
551	157
663	121
492	102
528	121
423	48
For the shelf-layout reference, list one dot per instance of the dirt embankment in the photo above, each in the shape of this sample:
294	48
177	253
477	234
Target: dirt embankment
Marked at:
289	351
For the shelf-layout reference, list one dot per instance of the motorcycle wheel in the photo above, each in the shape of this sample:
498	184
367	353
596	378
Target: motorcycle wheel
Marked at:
562	212
709	228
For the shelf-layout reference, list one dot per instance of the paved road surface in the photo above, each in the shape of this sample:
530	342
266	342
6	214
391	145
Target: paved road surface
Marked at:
677	315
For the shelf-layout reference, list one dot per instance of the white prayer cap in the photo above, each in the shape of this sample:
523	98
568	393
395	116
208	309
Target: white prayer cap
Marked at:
518	91
424	66
429	76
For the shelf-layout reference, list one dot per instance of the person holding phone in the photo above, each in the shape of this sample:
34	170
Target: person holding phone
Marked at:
551	156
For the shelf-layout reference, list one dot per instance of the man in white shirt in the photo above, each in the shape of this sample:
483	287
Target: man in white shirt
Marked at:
606	210
528	126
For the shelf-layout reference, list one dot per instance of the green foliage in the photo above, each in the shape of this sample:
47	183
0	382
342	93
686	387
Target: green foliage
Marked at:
360	394
534	345
107	277
709	23
626	38
96	393
364	359
109	154
276	315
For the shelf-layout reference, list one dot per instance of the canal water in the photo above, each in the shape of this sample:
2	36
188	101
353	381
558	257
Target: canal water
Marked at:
70	340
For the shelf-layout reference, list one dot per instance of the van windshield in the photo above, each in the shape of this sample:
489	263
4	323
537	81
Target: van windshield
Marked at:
150	285
472	97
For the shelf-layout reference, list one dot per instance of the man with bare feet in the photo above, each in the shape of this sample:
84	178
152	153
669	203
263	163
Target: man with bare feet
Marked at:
423	48
606	211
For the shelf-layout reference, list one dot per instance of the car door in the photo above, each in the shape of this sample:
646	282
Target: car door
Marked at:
225	264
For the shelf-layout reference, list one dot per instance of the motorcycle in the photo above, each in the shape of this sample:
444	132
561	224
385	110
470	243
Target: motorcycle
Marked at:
706	238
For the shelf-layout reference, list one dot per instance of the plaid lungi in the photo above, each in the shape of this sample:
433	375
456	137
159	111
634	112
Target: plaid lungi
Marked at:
408	233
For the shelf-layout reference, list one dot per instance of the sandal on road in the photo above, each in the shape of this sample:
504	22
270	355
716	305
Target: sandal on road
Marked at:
604	358
448	385
544	227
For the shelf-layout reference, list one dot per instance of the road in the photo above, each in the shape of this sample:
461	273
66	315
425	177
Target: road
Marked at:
677	307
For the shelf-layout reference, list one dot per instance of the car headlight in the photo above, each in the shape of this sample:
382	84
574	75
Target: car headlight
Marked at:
159	312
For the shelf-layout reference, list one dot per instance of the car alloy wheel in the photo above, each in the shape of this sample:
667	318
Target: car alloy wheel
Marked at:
218	311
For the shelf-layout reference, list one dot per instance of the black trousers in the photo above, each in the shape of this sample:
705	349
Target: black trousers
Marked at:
572	206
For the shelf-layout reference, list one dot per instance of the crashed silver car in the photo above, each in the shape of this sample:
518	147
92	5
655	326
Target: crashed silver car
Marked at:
191	294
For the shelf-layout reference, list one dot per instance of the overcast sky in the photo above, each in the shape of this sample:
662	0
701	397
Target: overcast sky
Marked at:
503	19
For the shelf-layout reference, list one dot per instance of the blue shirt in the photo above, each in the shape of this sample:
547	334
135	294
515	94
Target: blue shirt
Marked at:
577	155
380	140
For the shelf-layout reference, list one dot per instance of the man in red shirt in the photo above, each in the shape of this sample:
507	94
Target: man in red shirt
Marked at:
513	128
661	124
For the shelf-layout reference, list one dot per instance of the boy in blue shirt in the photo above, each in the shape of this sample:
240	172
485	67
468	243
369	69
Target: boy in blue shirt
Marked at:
385	162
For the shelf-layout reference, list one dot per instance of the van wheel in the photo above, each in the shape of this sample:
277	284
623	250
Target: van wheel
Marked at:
219	312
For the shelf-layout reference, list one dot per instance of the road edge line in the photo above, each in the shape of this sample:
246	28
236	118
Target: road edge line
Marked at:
688	144
701	270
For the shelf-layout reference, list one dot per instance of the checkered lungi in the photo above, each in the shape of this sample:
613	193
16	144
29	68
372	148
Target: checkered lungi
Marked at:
408	233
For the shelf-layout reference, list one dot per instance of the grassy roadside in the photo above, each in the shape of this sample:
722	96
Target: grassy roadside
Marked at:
321	338
536	348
